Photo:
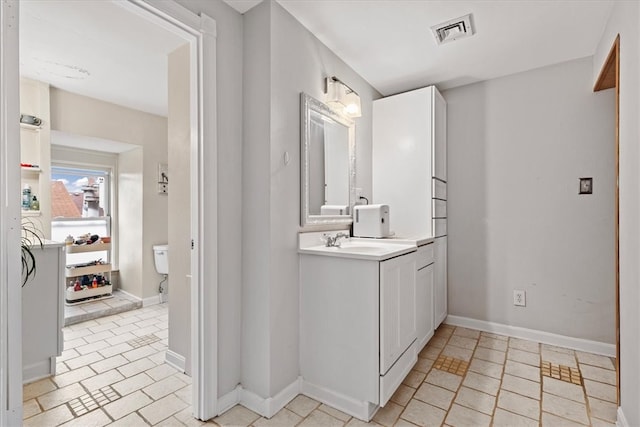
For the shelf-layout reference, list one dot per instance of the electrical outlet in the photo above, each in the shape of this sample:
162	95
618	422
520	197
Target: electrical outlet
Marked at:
520	298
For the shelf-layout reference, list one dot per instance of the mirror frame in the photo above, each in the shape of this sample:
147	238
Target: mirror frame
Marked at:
309	104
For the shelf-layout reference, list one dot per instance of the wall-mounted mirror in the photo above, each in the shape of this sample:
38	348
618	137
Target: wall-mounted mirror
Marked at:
327	164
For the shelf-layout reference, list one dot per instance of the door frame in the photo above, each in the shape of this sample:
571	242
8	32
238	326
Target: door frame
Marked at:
609	78
200	30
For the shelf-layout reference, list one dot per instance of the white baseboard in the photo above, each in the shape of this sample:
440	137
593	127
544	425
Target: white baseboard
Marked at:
346	404
129	294
534	335
266	407
39	370
622	420
151	300
176	360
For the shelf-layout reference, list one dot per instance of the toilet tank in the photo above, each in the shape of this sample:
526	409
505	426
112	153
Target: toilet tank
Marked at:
161	258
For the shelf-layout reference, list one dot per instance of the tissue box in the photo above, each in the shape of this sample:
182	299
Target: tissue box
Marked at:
371	221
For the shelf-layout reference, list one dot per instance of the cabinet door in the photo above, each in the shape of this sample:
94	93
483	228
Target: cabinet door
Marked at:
397	308
440	286
439	155
424	304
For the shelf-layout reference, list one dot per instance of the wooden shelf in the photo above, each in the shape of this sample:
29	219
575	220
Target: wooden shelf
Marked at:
95	247
31	213
89	294
30	127
91	269
28	170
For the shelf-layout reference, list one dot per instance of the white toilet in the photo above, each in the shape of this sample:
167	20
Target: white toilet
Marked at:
161	258
161	261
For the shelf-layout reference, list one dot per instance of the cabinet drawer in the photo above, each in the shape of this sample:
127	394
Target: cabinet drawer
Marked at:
439	227
439	189
424	256
439	208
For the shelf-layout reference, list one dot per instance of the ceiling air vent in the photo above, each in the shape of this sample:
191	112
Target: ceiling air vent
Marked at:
454	29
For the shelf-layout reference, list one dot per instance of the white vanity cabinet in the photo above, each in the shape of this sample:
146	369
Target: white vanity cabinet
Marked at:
440	283
357	329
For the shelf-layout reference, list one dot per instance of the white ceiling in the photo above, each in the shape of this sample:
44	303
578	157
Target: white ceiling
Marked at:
98	49
102	50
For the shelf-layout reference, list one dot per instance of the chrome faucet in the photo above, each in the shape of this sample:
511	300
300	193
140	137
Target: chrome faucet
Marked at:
334	241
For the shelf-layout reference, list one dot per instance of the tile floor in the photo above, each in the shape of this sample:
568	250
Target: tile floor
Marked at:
118	303
112	372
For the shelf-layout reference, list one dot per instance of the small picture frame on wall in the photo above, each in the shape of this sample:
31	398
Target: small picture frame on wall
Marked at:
586	186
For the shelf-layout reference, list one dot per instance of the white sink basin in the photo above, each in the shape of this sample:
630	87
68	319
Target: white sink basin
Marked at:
370	250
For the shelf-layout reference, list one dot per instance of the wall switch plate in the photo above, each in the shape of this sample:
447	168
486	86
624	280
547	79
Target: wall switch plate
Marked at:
520	298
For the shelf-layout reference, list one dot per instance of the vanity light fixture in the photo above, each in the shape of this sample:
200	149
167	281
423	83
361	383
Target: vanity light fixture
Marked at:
342	98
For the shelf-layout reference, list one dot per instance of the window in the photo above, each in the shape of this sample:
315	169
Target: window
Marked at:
79	193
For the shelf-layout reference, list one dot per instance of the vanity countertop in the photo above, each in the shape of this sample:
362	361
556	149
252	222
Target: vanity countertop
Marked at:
356	248
415	241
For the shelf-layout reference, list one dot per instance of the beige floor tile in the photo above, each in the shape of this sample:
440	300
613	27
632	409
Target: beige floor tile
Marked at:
321	419
562	388
430	352
136	367
54	417
85	360
127	404
494	336
565	408
476	400
559	358
601	391
354	422
414	379
95	418
595	360
444	379
423	365
557	349
67	355
489	355
185	394
464	342
388	415
525	345
161	372
284	418
461	416
403	395
37	388
186	417
435	396
115	349
423	414
163	387
444	331
139	353
492	343
438	342
519	404
457	352
467	333
482	383
131	420
521	386
61	368
523	357
170	422
68	345
550	420
596	422
490	369
403	423
30	408
101	380
131	384
108	364
598	374
99	336
522	370
503	418
60	396
74	376
335	413
164	408
604	410
90	348
302	405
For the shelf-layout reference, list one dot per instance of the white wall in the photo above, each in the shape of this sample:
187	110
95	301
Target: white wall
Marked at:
516	148
179	204
81	115
229	169
282	59
625	20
